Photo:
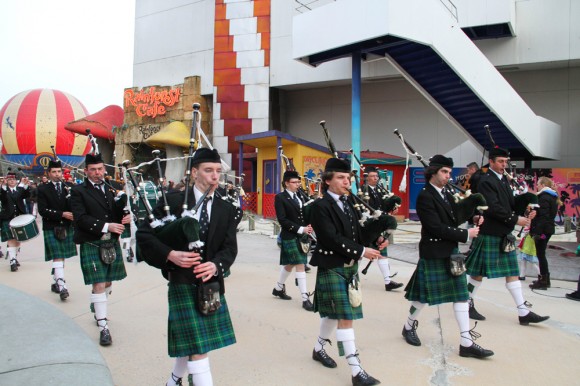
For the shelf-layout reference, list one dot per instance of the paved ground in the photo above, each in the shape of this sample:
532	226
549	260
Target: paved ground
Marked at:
275	337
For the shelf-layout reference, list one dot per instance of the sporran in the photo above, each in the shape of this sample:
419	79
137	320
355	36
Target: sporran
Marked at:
457	264
60	233
508	243
208	297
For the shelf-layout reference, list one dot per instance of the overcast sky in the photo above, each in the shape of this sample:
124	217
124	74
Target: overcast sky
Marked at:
81	47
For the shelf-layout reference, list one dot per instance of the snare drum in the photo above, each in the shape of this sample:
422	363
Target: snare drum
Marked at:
24	227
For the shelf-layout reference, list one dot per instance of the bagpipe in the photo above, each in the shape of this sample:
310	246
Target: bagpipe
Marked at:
467	204
374	221
390	201
524	202
304	197
181	233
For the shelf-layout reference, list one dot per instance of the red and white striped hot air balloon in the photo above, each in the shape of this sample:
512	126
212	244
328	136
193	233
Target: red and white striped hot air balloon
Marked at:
33	121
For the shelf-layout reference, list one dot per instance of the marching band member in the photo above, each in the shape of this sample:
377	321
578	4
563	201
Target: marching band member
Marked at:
290	213
339	247
54	207
432	282
376	202
192	334
99	220
489	257
12	196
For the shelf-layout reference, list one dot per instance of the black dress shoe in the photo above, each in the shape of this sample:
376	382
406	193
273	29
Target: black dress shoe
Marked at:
13	267
574	296
364	379
17	263
392	285
322	357
281	293
64	294
532	317
473	314
105	339
307	305
474	351
54	288
411	335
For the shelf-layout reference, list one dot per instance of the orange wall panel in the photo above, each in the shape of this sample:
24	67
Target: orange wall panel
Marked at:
233	110
261	7
232	76
230	94
223	60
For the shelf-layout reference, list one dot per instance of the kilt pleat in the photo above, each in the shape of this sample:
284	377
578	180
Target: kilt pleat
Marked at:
432	283
94	270
188	331
487	260
331	294
6	233
57	249
291	253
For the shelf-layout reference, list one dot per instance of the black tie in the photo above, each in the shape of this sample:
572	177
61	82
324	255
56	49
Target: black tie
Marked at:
99	186
346	208
58	189
295	198
204	220
443	192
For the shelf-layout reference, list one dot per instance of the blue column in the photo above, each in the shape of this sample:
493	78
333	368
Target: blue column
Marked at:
278	164
241	159
355	117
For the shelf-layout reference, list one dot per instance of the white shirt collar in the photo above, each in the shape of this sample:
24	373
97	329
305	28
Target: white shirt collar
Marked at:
198	194
496	173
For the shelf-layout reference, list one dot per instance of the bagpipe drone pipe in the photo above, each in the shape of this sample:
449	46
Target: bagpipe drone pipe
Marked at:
375	223
467	204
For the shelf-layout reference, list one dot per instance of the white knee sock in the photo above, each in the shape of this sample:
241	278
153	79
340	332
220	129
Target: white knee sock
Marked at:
301	279
179	369
12	253
472	286
282	278
385	269
414	311
200	372
515	288
461	311
327	327
100	303
346	336
58	267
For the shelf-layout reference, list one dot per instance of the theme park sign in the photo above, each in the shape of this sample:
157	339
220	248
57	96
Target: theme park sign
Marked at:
151	103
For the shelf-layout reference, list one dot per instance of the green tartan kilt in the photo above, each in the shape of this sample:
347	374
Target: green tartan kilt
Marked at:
94	270
487	260
56	249
6	233
433	283
331	294
291	253
188	331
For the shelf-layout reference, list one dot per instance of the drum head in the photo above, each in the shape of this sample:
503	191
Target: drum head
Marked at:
22	220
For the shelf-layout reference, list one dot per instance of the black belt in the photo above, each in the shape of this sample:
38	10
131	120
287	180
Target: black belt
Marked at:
177	277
